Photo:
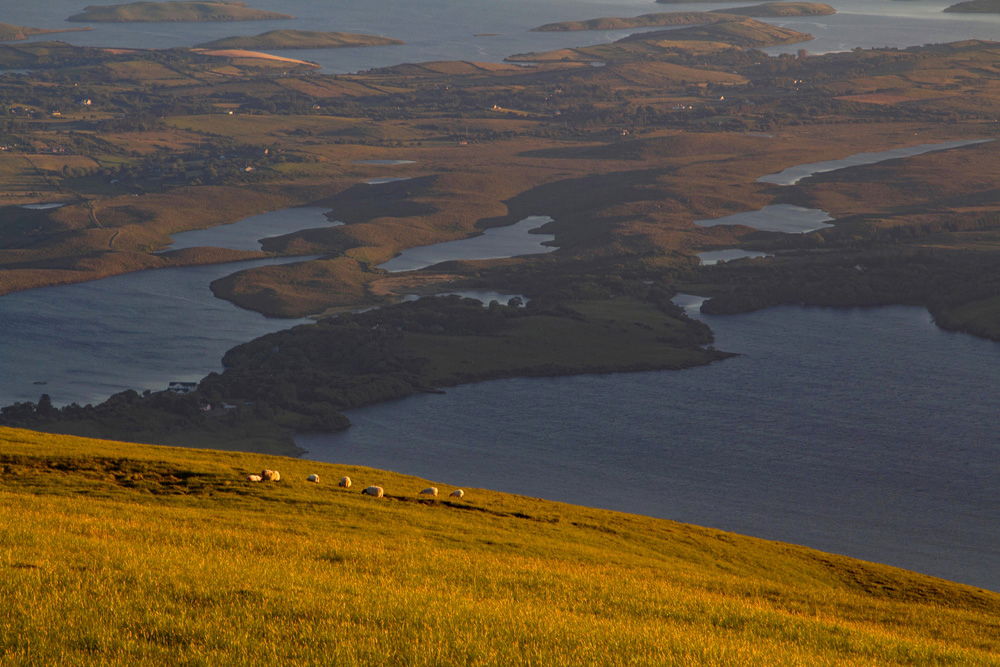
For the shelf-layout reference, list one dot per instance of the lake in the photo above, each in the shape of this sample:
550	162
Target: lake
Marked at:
786	218
712	257
246	234
493	243
868	432
793	175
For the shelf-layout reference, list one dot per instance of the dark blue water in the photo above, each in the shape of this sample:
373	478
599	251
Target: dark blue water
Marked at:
135	331
868	432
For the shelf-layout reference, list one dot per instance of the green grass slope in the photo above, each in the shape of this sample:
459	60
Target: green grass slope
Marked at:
136	555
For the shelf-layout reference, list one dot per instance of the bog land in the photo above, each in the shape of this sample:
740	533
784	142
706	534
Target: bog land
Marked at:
677	126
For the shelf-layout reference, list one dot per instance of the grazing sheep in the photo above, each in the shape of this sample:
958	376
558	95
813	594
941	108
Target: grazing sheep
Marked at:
376	491
345	482
429	491
458	493
270	475
254	478
313	478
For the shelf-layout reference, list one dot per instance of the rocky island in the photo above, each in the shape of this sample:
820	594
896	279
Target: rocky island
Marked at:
299	39
175	10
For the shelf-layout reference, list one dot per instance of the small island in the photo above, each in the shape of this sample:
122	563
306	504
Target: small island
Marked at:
17	33
774	9
670	19
175	11
662	19
299	39
976	7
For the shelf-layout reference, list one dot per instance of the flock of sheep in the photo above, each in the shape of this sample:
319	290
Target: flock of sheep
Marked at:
345	482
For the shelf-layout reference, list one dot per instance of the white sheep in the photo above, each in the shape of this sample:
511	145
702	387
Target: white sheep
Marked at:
457	493
254	478
270	475
429	491
345	482
376	491
313	478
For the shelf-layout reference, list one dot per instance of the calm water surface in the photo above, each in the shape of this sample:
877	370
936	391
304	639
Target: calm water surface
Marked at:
786	218
134	331
711	257
247	233
494	243
868	432
793	175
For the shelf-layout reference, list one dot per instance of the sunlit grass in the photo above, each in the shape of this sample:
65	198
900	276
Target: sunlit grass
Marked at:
128	554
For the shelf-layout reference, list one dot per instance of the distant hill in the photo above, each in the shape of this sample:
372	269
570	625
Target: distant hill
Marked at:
180	10
745	32
976	7
125	554
15	33
299	39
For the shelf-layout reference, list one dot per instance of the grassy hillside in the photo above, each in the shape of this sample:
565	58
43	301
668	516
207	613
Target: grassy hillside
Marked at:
127	554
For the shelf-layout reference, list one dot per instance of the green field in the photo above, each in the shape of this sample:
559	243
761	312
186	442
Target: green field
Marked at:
129	555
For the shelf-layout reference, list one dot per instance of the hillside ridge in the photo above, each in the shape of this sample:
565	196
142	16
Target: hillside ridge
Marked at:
148	553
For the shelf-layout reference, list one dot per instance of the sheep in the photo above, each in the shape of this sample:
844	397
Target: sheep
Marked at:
429	491
270	475
313	478
376	491
254	478
457	493
345	482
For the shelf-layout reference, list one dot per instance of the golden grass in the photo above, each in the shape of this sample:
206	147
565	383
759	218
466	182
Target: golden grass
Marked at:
246	54
128	554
